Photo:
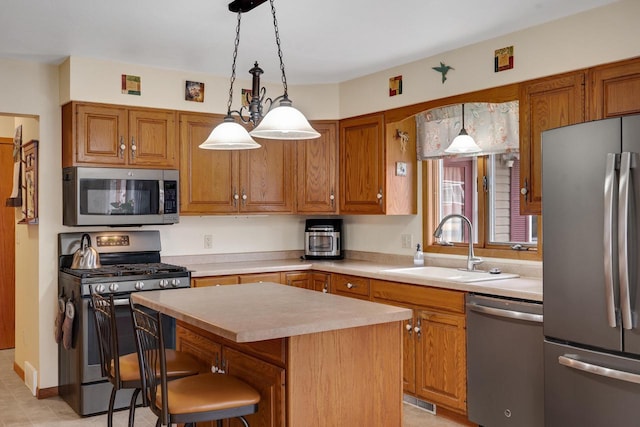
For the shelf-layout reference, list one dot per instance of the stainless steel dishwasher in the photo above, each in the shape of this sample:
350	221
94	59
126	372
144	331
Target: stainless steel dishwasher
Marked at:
505	377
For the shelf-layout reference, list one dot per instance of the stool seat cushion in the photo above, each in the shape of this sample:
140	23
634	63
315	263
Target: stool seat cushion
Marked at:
179	364
208	392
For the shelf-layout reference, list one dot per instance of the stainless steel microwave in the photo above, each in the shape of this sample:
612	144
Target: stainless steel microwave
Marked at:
322	239
119	197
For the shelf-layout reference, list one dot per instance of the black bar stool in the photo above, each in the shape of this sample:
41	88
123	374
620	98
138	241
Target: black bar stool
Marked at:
202	397
123	372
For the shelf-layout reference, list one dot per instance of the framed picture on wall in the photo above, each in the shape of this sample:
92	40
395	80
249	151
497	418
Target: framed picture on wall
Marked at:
30	186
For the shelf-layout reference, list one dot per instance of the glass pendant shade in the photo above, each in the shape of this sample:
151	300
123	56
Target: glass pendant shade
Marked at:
229	135
284	122
463	144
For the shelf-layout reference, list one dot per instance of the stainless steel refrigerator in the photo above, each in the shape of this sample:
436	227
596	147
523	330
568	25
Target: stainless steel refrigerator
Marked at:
591	222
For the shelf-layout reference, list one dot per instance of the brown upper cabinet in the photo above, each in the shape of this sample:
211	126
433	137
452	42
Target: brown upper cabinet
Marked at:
118	136
226	181
614	89
544	104
377	166
317	171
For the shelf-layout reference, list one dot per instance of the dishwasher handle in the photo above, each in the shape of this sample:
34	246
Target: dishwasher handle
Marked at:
510	314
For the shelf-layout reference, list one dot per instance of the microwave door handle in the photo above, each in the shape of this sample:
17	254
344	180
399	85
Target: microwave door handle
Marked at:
627	162
610	184
161	197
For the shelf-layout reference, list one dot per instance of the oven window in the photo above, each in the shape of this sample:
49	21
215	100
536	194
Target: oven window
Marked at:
119	197
321	243
126	340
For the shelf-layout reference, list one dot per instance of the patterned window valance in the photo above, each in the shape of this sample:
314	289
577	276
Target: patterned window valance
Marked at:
494	127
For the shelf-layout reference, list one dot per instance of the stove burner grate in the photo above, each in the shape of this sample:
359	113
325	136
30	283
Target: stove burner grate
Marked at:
118	270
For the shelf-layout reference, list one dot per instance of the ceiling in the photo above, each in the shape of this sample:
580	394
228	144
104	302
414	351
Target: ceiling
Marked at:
323	41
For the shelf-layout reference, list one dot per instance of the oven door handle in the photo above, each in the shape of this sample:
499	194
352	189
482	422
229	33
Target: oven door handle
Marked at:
120	301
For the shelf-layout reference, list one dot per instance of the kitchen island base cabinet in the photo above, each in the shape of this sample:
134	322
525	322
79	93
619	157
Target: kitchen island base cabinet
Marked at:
260	365
345	377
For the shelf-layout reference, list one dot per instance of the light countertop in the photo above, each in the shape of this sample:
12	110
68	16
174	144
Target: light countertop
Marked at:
262	311
529	288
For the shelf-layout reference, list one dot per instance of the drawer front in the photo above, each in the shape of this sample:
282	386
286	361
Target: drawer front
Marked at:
424	296
350	285
199	282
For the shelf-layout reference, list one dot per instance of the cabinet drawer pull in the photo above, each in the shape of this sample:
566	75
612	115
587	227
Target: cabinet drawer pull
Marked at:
351	285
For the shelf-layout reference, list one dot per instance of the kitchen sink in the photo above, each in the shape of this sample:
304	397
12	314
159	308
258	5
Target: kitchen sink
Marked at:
449	274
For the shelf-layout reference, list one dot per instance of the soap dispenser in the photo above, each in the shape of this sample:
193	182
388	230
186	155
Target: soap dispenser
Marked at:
418	258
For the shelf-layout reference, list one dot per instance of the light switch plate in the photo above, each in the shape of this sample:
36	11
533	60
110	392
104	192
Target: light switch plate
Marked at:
401	169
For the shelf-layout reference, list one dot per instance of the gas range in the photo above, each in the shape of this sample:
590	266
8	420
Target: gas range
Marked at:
130	263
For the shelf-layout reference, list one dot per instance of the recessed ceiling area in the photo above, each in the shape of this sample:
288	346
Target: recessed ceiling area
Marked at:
326	41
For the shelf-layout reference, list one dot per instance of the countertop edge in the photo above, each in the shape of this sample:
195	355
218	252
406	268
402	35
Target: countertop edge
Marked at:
529	288
350	313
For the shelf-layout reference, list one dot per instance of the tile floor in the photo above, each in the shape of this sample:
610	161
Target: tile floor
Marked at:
19	408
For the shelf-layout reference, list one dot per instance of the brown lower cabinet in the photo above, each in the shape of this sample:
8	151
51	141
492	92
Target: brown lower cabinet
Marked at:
434	343
434	340
260	364
313	280
350	286
234	279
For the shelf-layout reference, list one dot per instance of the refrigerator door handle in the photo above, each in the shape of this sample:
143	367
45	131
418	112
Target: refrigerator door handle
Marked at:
615	374
610	184
627	162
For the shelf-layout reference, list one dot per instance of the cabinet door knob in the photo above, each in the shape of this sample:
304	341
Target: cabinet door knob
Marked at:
133	147
525	190
350	285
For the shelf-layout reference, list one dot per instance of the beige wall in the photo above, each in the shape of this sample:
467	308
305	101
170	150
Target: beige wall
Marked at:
598	36
30	94
7	126
591	38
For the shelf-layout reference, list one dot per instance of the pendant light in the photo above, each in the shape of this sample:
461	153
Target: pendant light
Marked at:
281	122
463	143
230	135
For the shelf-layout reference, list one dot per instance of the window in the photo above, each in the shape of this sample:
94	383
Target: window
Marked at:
484	188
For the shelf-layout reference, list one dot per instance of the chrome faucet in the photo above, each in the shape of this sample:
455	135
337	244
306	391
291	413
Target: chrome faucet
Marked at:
472	260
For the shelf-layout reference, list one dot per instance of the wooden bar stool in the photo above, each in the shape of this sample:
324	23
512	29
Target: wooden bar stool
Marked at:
123	372
202	397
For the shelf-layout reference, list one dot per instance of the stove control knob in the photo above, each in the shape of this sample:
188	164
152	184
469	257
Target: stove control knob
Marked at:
100	288
175	283
164	283
139	286
113	287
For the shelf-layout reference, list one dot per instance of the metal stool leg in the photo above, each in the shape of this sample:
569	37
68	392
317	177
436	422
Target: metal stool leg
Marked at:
112	401
132	406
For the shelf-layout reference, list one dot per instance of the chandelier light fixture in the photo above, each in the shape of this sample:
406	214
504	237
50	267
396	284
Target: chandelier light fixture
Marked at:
463	143
280	122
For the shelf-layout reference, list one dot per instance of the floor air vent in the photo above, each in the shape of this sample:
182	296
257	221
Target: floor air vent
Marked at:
420	404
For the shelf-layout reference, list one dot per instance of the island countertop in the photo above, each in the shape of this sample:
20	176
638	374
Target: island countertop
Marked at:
261	311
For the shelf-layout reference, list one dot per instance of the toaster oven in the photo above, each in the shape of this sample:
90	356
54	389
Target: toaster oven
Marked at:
322	239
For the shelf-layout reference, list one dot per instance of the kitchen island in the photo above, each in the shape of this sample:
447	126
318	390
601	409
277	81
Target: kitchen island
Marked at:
333	361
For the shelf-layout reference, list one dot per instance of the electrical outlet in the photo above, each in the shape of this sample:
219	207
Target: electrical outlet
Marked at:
208	241
406	241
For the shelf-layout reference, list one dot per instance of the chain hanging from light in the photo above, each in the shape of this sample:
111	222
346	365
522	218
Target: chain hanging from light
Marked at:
280	122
